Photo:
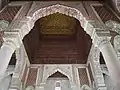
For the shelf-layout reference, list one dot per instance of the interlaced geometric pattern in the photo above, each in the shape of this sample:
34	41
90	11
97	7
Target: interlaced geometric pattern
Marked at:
9	13
83	76
31	80
105	13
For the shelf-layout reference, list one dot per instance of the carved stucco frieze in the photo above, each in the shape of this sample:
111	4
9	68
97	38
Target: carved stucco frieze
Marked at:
117	45
100	38
15	34
113	26
96	24
3	25
12	40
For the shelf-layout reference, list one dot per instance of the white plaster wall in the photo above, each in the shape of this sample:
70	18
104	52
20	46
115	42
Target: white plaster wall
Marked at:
50	84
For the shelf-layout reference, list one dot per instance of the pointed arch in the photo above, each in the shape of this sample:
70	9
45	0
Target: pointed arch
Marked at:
54	70
59	70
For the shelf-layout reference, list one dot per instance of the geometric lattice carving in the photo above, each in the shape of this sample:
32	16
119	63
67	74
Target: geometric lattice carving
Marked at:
105	13
9	13
83	76
31	80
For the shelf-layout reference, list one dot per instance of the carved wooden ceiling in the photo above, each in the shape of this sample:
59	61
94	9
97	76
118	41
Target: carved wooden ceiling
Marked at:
53	24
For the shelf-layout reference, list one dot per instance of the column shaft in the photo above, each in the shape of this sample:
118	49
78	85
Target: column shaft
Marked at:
112	63
5	55
95	65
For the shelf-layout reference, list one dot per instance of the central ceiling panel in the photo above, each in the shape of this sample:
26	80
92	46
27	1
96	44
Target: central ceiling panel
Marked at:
57	24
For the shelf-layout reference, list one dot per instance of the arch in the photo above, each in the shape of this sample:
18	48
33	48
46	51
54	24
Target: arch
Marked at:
57	70
72	12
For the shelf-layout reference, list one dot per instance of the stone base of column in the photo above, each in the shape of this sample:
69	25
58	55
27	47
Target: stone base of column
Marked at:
39	88
102	88
15	84
74	88
13	89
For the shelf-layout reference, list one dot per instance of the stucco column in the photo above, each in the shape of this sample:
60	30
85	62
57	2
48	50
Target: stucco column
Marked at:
6	52
16	81
111	61
94	57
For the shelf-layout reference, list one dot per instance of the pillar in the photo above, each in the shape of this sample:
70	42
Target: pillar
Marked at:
6	52
111	61
96	69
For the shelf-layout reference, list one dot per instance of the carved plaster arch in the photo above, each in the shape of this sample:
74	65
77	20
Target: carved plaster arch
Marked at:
51	69
64	69
58	70
72	12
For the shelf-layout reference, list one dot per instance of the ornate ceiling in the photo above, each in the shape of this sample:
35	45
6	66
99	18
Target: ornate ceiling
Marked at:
57	24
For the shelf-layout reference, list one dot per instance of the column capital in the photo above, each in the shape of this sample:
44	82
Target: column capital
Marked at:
113	26
12	40
101	37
